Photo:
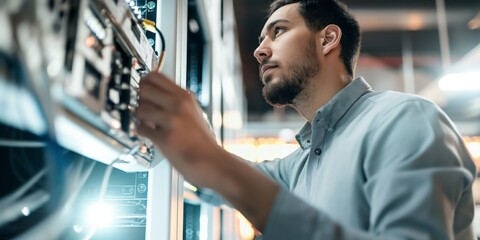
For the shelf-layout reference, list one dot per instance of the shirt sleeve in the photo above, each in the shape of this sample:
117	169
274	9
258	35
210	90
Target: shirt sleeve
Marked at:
274	169
418	184
280	170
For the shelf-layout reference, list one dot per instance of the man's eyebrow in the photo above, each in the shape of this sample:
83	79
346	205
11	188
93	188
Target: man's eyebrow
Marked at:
270	26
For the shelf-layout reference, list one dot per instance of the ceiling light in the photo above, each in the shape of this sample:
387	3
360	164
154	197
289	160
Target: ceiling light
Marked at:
460	81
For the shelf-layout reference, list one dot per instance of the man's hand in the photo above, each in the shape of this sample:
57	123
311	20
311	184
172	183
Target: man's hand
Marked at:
172	119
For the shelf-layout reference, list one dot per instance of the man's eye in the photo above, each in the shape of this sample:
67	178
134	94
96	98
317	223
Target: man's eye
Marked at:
278	30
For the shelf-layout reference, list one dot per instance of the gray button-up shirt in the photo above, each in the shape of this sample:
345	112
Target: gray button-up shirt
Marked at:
374	165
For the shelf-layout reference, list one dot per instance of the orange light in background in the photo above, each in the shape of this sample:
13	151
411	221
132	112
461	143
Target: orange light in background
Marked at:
232	119
475	22
245	150
217	120
260	149
473	145
90	41
247	232
415	21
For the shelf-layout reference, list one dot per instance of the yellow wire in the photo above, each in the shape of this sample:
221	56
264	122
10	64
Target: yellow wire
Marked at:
160	62
151	26
148	25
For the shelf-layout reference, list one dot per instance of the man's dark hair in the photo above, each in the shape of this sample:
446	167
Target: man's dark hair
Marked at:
320	13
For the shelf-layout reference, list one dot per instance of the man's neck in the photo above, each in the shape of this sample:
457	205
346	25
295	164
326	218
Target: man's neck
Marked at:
319	91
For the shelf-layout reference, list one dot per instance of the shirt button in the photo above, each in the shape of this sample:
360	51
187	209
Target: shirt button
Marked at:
318	151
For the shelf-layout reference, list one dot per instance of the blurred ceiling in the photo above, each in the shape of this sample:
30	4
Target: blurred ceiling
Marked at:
392	32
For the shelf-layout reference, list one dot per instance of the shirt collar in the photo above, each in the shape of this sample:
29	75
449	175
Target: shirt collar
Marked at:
334	109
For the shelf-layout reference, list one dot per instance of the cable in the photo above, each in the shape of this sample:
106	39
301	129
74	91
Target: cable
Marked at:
48	228
24	206
162	53
108	171
106	178
4	202
151	26
21	144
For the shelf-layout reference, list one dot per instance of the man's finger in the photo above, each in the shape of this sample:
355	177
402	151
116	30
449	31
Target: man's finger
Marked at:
160	98
148	131
148	114
163	82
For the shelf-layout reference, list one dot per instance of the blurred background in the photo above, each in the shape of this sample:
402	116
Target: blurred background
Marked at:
75	168
406	45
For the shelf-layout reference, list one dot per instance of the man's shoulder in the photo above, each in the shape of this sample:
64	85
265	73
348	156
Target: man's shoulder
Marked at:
393	106
391	99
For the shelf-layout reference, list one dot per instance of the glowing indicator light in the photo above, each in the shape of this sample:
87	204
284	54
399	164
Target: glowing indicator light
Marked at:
134	63
26	211
143	149
90	41
77	228
100	215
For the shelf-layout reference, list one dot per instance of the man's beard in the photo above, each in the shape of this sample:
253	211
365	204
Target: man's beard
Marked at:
299	73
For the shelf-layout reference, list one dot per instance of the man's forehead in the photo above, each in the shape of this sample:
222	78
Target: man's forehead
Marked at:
288	12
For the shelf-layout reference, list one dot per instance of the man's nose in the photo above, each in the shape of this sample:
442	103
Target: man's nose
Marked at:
262	52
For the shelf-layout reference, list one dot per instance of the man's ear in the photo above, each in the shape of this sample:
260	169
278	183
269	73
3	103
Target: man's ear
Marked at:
331	38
